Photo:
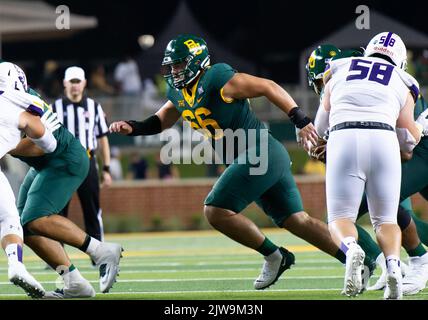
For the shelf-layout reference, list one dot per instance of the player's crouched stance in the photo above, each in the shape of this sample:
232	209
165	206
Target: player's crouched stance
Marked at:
216	98
367	99
58	164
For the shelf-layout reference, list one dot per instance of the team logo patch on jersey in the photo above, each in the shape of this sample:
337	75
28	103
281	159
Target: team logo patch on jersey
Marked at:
181	103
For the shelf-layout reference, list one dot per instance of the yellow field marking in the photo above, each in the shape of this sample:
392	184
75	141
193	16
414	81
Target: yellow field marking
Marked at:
186	252
175	234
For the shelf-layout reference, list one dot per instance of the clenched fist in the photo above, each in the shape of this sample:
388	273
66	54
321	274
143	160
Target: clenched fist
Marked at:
121	127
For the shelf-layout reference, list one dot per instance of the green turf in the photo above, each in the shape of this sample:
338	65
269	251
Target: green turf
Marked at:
201	265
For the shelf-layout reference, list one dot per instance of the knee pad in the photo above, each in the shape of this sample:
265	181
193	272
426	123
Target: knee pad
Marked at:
11	225
403	218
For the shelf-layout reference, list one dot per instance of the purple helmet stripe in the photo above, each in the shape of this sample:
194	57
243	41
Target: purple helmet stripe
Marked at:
388	37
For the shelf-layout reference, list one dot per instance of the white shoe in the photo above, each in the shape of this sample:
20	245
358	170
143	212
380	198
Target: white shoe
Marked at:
354	266
393	289
381	282
75	289
272	270
107	257
20	277
417	276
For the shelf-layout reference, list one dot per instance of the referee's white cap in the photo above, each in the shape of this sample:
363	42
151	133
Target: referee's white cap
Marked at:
74	73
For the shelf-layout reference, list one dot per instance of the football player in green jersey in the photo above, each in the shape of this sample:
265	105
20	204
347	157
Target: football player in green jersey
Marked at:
414	179
215	99
47	187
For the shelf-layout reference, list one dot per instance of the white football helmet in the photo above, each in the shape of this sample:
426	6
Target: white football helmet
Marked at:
388	44
12	77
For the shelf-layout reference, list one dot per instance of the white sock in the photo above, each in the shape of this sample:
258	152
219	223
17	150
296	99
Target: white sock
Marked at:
393	264
274	256
92	247
347	243
70	277
14	252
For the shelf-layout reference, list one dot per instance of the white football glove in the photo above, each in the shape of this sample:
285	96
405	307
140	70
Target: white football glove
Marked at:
423	121
50	121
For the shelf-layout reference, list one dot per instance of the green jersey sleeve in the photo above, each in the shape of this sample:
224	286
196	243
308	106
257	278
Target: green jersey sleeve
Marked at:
218	75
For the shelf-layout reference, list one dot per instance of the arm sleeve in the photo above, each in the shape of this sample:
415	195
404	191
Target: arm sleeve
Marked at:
321	122
411	83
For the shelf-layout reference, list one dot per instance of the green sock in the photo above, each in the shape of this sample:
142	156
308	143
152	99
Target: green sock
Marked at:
422	228
419	251
71	268
340	256
367	243
267	247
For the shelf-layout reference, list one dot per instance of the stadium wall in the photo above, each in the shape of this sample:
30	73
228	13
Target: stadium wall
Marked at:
178	204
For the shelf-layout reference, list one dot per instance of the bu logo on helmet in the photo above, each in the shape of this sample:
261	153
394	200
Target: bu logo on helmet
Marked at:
194	47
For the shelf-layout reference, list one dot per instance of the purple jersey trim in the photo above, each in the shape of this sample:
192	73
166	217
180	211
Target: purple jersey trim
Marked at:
415	91
33	109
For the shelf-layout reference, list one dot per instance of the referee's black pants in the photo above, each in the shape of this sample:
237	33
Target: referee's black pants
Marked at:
89	196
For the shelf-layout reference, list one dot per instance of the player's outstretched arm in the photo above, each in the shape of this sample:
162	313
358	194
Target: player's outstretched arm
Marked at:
242	86
161	120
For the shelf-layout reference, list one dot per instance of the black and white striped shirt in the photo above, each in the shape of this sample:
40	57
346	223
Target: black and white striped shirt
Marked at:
85	120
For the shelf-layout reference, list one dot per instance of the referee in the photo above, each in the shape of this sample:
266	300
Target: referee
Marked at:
85	119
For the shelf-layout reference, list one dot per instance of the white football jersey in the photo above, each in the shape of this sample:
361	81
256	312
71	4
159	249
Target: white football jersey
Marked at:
368	89
10	135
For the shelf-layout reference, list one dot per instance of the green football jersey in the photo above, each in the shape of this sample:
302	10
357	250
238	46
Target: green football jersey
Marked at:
205	107
420	106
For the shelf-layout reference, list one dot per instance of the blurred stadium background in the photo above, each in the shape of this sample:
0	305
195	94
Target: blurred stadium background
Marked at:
266	38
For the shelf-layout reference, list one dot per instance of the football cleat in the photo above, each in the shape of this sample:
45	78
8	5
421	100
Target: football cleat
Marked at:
75	289
107	257
381	282
272	270
366	274
354	267
20	277
416	277
393	289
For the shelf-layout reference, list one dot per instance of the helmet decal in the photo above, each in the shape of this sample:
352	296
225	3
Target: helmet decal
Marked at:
186	56
194	47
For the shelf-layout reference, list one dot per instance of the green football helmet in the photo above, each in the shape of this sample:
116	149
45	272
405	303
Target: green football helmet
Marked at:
317	63
347	54
185	58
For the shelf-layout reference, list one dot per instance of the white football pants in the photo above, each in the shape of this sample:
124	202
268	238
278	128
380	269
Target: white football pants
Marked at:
361	160
9	217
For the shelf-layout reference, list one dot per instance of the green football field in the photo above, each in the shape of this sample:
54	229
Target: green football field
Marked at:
201	265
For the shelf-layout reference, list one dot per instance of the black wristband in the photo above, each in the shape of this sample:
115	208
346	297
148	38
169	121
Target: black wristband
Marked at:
298	117
106	169
152	125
